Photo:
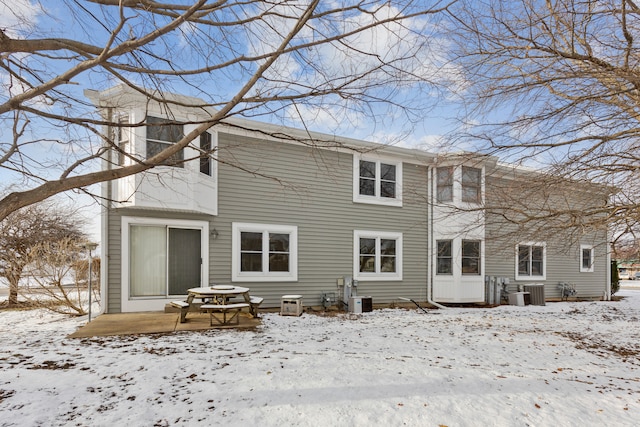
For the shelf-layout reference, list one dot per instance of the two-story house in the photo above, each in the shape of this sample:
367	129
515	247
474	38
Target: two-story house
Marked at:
285	211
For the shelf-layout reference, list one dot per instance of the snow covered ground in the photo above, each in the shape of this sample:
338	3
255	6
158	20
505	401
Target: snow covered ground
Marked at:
564	364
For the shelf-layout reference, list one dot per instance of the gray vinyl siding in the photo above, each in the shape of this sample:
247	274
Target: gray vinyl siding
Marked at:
265	182
562	260
312	189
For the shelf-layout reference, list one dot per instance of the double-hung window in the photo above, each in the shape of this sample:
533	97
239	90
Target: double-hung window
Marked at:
264	252
471	184
444	184
586	259
444	258
161	134
471	257
531	262
377	181
377	255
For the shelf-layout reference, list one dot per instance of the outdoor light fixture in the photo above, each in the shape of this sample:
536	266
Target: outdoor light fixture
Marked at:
89	247
214	234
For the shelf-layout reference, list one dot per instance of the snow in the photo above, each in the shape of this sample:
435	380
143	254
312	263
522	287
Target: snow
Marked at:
563	364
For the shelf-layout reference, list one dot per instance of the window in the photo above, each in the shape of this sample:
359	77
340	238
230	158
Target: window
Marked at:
205	148
586	259
471	185
444	257
471	257
531	261
444	184
123	139
160	136
263	252
377	182
377	255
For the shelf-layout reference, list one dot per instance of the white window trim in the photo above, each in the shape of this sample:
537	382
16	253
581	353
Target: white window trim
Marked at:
157	303
590	269
357	274
255	276
544	261
377	200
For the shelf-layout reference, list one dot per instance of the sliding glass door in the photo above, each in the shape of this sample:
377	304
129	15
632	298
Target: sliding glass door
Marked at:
164	260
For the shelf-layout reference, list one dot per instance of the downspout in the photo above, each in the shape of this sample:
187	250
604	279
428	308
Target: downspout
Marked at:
430	235
104	224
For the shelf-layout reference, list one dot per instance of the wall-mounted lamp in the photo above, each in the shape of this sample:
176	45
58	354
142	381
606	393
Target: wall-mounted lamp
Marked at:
214	234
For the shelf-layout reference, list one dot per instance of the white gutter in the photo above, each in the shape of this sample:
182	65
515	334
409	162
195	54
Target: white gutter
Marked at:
430	234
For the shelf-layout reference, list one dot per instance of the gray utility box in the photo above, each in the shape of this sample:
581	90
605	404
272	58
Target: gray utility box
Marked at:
536	290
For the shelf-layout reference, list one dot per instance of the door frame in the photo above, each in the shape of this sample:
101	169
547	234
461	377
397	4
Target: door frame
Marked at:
135	304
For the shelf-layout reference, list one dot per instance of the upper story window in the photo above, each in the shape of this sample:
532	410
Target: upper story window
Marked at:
531	261
471	184
586	259
205	148
377	255
264	252
444	184
377	181
160	135
123	132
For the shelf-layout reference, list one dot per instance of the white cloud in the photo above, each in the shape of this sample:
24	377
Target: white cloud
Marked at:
17	16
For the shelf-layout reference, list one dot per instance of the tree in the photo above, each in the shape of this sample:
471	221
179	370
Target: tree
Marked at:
289	60
21	231
557	84
60	272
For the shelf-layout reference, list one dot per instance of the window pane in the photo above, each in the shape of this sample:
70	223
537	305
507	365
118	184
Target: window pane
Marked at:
154	148
278	242
444	184
444	248
388	264
367	169
367	264
148	261
523	260
250	241
367	246
444	259
586	258
387	247
444	266
537	253
278	262
471	184
367	187
161	137
278	252
184	260
470	257
387	172
251	262
536	268
388	189
158	130
471	194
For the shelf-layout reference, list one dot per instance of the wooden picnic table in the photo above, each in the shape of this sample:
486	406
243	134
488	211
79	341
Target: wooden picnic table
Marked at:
216	299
